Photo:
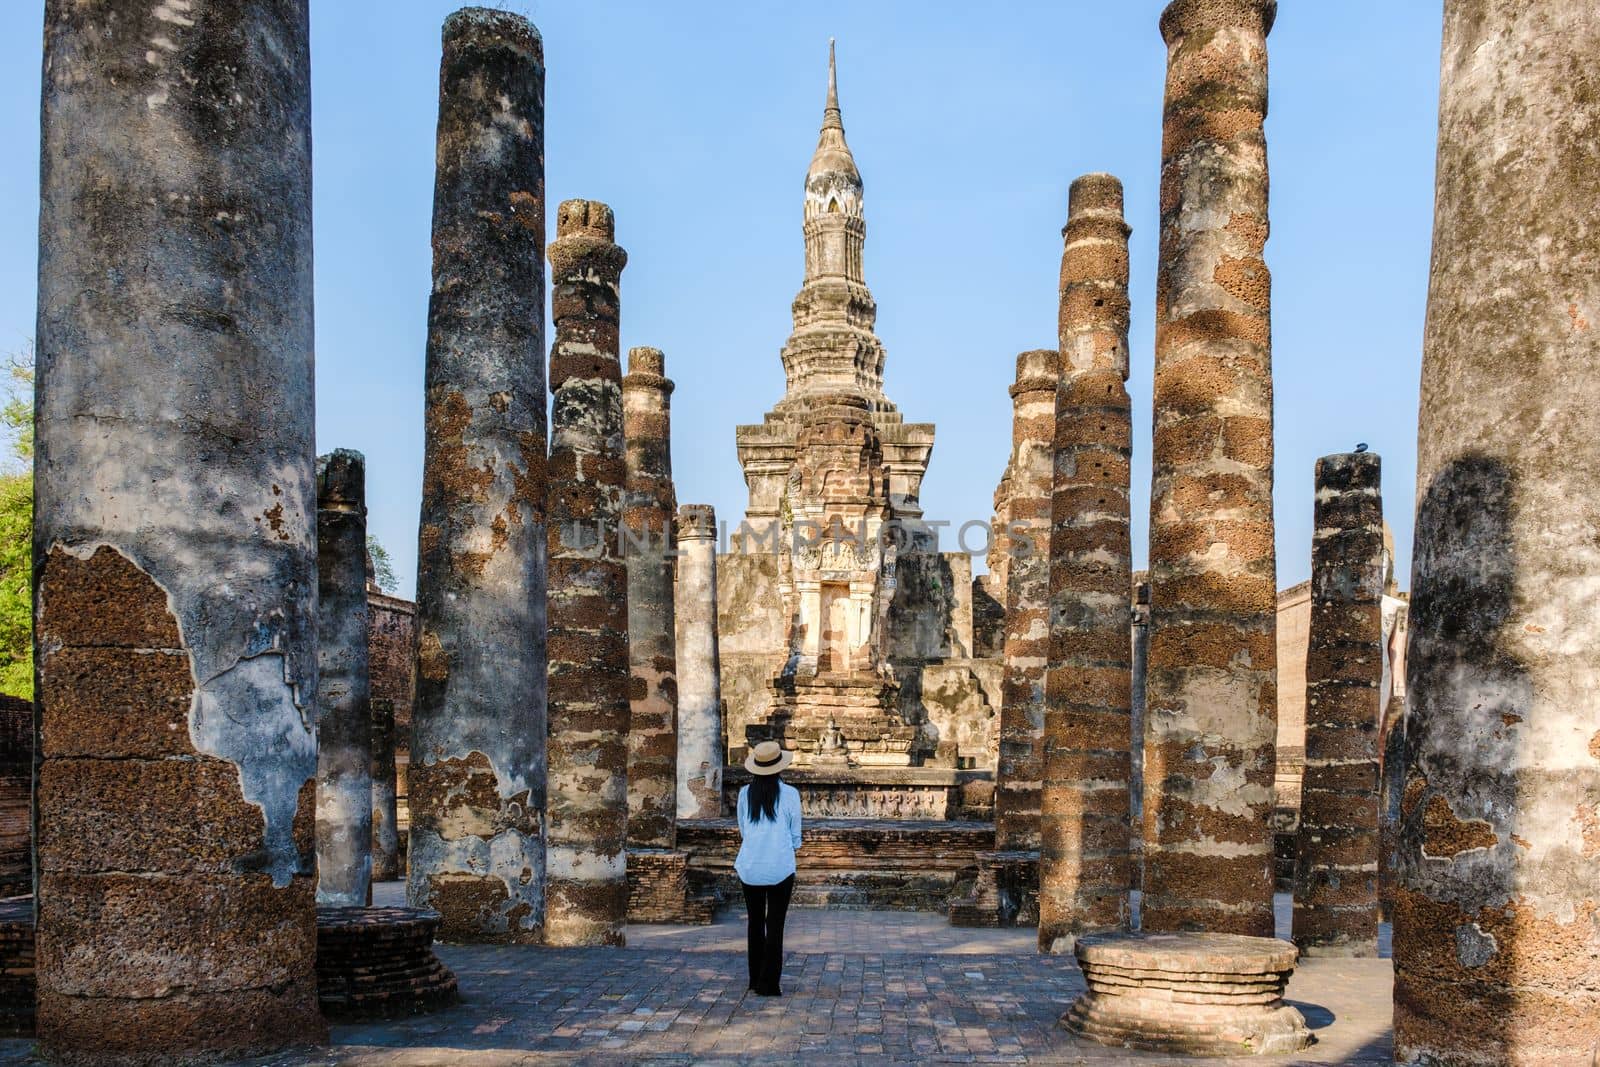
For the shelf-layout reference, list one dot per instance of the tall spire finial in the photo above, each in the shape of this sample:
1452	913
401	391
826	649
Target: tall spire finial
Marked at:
831	117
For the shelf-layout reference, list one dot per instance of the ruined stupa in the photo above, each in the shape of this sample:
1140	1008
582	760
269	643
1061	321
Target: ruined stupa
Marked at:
833	630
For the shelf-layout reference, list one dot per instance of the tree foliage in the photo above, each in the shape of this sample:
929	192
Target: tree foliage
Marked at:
16	533
382	565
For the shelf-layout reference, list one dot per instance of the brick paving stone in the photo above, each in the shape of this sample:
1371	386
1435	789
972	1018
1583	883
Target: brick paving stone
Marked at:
861	988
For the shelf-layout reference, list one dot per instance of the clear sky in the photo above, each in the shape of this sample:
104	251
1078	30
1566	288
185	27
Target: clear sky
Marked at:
696	121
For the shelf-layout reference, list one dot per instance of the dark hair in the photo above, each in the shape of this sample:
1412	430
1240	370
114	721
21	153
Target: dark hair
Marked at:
761	797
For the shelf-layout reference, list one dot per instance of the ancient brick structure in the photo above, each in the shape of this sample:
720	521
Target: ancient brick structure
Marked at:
1336	866
344	708
16	796
649	509
1084	872
18	989
1027	628
392	665
893	864
475	776
701	751
844	629
1188	994
1210	685
1497	911
587	898
176	787
378	963
661	889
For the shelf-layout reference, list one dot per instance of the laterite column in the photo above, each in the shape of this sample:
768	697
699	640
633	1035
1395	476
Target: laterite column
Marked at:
1211	723
344	692
175	551
1497	911
1336	862
649	508
1027	629
476	777
1084	870
589	676
700	748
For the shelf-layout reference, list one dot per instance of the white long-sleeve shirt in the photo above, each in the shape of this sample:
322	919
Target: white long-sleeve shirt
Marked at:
766	853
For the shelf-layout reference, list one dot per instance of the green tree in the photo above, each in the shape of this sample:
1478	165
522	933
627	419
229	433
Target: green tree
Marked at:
382	565
16	532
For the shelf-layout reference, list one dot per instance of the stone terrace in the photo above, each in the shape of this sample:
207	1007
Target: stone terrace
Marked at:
860	987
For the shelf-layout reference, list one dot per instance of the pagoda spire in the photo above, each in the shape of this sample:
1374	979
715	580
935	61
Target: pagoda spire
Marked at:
832	118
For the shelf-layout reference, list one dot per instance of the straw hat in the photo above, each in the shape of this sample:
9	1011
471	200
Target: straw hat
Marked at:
768	757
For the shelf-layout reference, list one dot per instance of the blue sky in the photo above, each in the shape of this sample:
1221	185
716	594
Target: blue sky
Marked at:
696	123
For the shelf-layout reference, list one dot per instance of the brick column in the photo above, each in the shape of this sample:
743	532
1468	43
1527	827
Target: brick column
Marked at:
648	514
344	704
1497	912
1336	863
476	773
1027	630
1212	714
388	862
174	543
589	677
1084	872
700	750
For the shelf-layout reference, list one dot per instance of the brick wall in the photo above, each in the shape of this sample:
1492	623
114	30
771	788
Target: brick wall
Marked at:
391	644
16	787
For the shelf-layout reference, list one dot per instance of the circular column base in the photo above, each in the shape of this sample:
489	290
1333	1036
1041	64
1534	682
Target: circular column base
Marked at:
1190	994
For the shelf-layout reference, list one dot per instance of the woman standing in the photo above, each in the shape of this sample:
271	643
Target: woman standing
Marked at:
769	828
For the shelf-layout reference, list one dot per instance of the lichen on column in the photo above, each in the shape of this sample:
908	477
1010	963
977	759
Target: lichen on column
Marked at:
344	706
589	665
1211	724
700	746
1027	620
476	774
1084	866
174	536
648	512
1336	862
1497	909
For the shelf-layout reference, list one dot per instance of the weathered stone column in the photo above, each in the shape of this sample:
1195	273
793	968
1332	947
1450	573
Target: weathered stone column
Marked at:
476	776
700	754
1212	713
1336	862
344	693
1084	872
387	861
1497	916
175	544
589	679
1027	630
648	512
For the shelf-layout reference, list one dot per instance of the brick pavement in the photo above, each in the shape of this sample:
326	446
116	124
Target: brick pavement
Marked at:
860	988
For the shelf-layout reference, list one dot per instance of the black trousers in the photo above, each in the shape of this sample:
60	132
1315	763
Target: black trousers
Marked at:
768	906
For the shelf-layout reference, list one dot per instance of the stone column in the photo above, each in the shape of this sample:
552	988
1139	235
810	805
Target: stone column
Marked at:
648	513
388	863
1084	872
700	754
1336	862
1211	730
344	694
1141	661
174	546
476	773
1497	916
589	680
1027	631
